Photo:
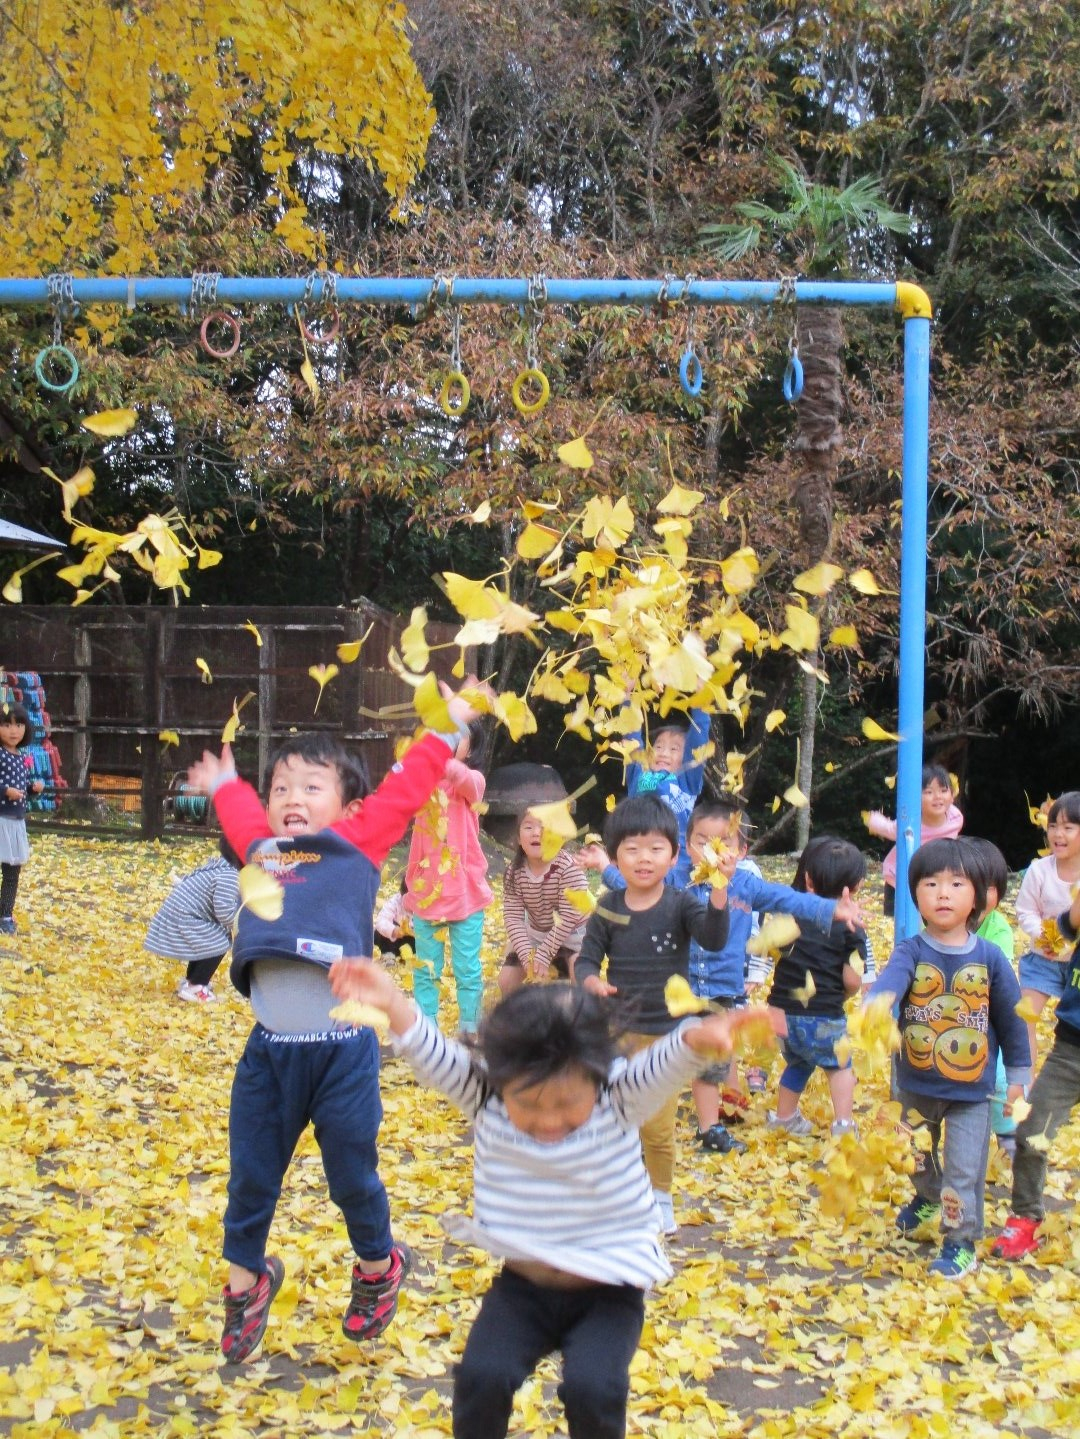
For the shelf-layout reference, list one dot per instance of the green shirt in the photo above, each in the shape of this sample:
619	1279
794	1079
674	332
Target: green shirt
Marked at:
997	929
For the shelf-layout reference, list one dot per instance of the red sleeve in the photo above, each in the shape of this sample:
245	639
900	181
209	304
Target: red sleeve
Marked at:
384	816
242	815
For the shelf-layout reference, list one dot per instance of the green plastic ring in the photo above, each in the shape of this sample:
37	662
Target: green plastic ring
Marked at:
455	394
535	377
63	354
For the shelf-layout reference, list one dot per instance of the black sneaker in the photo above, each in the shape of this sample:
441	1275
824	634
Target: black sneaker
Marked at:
246	1313
720	1141
374	1301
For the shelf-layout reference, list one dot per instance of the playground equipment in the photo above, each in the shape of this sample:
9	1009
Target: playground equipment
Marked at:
57	369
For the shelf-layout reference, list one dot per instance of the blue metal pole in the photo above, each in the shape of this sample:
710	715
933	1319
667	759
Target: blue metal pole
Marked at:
912	608
468	290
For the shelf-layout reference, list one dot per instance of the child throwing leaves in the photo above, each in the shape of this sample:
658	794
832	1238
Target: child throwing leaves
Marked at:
326	837
15	785
446	888
1054	1095
940	820
544	930
958	998
644	932
1045	892
560	1192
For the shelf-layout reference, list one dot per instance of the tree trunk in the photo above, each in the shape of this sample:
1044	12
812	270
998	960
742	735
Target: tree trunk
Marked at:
817	444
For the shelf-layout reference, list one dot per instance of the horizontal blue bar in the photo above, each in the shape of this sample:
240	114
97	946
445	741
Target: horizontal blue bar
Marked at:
467	290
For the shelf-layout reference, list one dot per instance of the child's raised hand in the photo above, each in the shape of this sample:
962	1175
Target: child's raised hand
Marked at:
365	981
878	823
460	710
847	910
593	856
711	1035
595	985
208	772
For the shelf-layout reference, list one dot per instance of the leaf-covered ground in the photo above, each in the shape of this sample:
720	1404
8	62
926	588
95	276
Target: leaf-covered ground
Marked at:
113	1108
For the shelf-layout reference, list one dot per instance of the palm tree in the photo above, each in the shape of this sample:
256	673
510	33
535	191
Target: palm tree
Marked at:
822	233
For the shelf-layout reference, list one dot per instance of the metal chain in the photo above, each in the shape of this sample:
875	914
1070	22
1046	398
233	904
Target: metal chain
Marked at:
60	289
535	301
204	285
455	340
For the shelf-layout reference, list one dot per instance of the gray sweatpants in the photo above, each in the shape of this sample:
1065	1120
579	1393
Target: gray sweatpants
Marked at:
953	1172
1054	1095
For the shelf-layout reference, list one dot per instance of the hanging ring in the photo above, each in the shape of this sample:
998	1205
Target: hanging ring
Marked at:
52	354
455	394
691	376
793	378
325	331
530	376
219	317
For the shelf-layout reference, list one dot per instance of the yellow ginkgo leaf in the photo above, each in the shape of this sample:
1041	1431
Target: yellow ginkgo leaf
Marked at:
472	599
12	591
680	999
307	374
576	454
232	724
844	637
739	571
803	630
557	824
678	501
358	1015
774	719
168	737
777	932
431	707
1038	1142
204	670
1019	1110
872	730
794	796
855	959
261	893
864	582
349	651
805	992
253	630
414	646
890	781
480	515
536	541
580	899
209	558
322	675
819	580
110	423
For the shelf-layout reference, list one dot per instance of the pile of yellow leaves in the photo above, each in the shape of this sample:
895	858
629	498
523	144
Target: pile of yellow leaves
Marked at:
790	1313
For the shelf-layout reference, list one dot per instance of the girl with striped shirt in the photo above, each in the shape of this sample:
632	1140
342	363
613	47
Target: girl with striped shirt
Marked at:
196	920
561	1194
543	928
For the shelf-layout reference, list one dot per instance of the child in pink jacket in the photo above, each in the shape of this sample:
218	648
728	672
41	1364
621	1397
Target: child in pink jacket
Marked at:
446	889
940	820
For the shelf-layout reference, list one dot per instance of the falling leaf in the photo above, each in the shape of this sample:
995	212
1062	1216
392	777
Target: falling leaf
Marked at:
576	454
209	558
845	637
536	541
678	501
168	737
204	670
1025	1011
110	423
803	630
78	487
805	992
480	515
261	893
864	582
794	796
557	825
819	580
775	934
414	647
307	374
681	999
774	719
431	706
322	675
253	629
232	724
349	651
872	730
1019	1110
580	899
358	1015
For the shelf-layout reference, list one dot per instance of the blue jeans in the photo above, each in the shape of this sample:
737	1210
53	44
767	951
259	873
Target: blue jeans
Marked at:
1054	1095
953	1172
1044	976
811	1044
465	936
281	1085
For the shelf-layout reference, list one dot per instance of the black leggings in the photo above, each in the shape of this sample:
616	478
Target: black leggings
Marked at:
9	888
597	1329
201	971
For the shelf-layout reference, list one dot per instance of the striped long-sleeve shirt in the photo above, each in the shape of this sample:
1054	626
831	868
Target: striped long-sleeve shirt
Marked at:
537	915
583	1204
195	922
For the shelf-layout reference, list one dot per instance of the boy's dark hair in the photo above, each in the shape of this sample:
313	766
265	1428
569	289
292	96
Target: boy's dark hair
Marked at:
323	749
933	771
13	710
677	720
989	858
832	865
1066	806
640	814
706	809
955	856
540	1030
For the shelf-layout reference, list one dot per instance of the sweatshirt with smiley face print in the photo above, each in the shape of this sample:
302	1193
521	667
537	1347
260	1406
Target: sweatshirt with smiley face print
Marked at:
957	1007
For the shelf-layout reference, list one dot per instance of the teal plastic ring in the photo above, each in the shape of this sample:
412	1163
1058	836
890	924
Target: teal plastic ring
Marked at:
56	353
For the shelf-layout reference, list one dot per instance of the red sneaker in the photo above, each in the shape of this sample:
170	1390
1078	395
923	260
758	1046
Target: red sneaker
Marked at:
733	1106
246	1313
1016	1239
374	1301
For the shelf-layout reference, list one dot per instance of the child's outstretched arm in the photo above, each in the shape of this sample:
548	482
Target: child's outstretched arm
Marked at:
363	980
241	812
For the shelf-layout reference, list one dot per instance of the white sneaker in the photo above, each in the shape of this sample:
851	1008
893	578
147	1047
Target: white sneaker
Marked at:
844	1126
794	1124
667	1212
197	993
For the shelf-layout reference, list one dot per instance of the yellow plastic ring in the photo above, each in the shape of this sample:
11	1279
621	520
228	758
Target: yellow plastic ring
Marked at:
530	377
455	394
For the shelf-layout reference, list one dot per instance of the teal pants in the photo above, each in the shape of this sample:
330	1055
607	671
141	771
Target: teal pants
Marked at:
464	937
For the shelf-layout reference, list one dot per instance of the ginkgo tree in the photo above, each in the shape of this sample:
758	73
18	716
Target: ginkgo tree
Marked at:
114	118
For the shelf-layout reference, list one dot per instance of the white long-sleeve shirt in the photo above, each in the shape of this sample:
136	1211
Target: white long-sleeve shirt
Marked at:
583	1204
1043	895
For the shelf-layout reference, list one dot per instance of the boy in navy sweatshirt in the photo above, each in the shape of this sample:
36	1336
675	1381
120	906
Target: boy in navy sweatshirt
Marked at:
958	997
324	839
1054	1095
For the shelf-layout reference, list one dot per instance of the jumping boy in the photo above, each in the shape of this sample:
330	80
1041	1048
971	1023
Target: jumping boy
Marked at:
324	838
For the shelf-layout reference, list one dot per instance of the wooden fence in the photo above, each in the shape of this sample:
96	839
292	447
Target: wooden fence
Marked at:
116	680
